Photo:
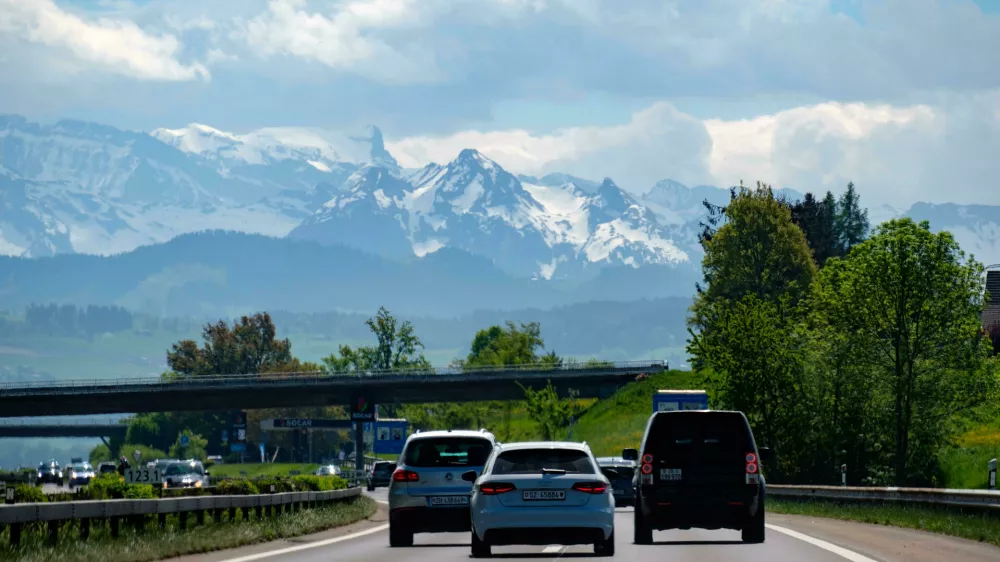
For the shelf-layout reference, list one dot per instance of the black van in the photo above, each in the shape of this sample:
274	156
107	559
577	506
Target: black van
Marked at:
698	469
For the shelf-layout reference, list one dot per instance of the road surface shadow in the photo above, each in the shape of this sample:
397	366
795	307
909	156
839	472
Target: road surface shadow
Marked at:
545	555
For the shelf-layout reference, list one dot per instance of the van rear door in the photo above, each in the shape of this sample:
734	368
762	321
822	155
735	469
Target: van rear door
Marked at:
699	449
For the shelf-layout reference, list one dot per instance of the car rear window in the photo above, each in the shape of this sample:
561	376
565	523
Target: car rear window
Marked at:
532	461
710	436
383	468
618	472
447	451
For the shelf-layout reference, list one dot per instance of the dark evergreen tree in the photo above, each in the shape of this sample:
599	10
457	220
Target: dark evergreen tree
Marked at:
852	220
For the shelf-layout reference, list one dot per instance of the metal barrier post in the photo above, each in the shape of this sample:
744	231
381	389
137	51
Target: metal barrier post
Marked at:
993	474
843	474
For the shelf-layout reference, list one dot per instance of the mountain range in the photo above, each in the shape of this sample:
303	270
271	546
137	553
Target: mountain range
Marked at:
82	188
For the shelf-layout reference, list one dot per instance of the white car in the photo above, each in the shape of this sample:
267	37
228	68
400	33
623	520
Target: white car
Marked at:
328	470
539	494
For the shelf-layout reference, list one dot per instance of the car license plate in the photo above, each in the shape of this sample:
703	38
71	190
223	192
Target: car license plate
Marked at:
670	474
620	492
543	495
450	500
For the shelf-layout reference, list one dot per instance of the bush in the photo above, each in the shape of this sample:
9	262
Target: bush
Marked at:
319	483
235	488
139	492
26	493
281	485
106	487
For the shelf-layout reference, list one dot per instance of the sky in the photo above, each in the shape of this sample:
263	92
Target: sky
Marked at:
902	97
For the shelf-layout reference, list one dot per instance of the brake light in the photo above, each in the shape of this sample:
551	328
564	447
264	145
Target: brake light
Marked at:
590	487
494	488
401	475
751	468
646	470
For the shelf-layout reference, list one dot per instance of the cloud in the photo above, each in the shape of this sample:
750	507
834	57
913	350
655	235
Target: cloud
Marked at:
942	152
114	45
345	38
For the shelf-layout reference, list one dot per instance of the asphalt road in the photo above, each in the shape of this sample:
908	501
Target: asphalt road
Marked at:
680	546
789	539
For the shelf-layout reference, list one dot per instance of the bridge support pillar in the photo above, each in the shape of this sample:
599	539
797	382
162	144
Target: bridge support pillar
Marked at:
359	446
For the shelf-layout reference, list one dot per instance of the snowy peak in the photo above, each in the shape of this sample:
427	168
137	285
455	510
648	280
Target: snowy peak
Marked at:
324	150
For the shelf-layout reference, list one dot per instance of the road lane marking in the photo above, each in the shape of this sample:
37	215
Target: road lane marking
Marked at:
316	544
830	547
552	549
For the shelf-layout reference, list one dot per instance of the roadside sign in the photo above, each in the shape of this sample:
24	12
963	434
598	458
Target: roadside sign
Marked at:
184	440
143	476
237	447
137	454
362	409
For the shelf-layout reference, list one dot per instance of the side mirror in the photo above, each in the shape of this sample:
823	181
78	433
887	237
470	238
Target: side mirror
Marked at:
766	454
630	454
470	476
207	474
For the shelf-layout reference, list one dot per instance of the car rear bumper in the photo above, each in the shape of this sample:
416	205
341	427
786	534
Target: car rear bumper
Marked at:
545	536
682	509
432	519
500	525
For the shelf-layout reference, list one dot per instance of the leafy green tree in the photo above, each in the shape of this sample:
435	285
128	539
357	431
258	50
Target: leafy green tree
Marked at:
194	449
547	409
247	347
397	348
912	301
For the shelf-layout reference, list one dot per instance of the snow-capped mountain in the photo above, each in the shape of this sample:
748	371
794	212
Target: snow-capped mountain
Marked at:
88	188
473	204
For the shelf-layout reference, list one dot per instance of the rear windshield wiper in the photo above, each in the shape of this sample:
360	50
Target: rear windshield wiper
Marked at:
553	471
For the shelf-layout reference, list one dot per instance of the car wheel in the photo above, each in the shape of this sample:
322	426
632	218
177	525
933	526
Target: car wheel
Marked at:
479	548
643	532
371	487
606	547
753	531
399	537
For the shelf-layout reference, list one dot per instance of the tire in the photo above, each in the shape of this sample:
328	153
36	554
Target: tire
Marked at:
643	532
399	537
370	487
606	547
753	531
479	548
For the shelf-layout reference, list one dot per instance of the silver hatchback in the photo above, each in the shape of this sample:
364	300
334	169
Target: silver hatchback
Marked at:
426	492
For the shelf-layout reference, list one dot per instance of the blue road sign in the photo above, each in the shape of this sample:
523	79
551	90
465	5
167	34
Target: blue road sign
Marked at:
184	440
238	447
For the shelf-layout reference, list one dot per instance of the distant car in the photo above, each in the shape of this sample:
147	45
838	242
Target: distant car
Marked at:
539	494
381	475
328	470
185	474
49	473
107	468
79	474
699	469
427	493
620	473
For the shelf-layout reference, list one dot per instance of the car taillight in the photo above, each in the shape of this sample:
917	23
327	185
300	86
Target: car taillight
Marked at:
405	476
590	487
494	488
751	460
646	470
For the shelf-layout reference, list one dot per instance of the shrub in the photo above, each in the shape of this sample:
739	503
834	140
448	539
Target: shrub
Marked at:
235	488
281	485
319	483
139	492
26	493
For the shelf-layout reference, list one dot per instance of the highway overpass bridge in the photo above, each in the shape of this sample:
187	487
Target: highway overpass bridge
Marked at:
233	392
22	429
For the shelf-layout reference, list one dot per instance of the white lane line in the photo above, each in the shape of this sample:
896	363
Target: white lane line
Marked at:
316	544
830	547
552	549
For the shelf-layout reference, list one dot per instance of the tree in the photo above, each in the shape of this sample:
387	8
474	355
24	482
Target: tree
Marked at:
913	301
397	348
194	449
546	409
852	220
247	347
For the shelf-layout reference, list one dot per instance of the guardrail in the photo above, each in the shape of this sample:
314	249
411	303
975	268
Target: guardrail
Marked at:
136	511
567	368
977	499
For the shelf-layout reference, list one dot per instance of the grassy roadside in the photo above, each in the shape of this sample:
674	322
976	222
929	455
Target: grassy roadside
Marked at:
154	544
260	469
977	526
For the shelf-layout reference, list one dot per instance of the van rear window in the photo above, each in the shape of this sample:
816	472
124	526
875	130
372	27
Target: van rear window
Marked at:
447	451
710	436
